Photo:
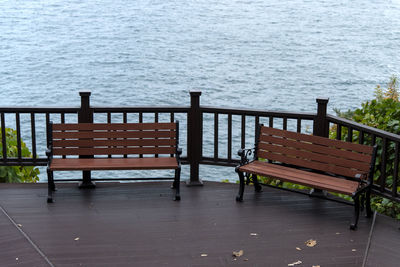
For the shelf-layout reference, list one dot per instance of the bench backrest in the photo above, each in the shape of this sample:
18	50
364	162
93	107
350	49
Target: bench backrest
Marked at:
92	139
314	152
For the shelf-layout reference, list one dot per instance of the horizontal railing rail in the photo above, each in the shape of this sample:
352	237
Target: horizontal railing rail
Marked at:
38	118
210	135
241	131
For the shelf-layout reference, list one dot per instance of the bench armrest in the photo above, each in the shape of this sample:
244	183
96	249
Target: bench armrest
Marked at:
244	154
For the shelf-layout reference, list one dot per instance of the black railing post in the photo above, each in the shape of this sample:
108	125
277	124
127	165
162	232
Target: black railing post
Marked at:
194	138
321	125
321	128
85	115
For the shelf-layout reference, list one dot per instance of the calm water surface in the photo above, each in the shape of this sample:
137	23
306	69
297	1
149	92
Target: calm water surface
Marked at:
264	54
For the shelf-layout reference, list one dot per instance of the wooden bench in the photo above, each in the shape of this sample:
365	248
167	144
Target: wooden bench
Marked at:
312	161
113	146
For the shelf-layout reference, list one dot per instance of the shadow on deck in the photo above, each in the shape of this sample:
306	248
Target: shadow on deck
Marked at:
138	224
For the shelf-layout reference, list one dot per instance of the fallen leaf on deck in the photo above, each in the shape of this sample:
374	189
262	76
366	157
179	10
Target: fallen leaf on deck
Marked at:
311	243
295	263
316	266
237	253
204	255
253	234
354	249
245	259
19	225
16	259
338	233
298	248
76	239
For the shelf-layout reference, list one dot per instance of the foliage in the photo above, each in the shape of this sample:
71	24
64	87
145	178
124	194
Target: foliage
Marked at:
383	113
16	174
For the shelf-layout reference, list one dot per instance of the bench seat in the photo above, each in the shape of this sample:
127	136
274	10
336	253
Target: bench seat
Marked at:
297	176
93	164
313	161
113	146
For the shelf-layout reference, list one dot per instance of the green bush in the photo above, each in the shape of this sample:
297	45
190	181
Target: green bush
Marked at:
16	174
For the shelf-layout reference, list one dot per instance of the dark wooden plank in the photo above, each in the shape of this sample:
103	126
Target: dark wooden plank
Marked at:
137	224
306	145
114	151
114	164
308	164
306	178
15	249
384	243
114	134
317	140
115	126
114	142
321	158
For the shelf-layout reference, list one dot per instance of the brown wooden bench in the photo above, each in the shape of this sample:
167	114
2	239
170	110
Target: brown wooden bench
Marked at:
113	146
312	161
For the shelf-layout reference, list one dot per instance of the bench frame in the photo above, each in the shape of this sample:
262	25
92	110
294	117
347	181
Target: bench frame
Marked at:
244	170
111	150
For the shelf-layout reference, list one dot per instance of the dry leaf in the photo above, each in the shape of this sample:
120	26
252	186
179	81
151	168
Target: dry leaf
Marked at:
311	243
298	248
245	259
76	239
16	259
316	266
354	249
19	225
338	233
295	263
237	253
204	255
253	234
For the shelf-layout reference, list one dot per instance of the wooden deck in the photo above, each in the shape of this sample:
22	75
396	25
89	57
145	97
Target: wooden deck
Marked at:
138	224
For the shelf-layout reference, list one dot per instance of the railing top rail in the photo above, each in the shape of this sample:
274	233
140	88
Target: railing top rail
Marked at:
257	112
39	109
144	109
362	127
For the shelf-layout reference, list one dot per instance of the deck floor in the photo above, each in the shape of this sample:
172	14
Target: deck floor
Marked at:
138	224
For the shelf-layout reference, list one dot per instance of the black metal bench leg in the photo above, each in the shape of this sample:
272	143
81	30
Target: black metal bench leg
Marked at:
353	225
176	184
257	186
368	203
50	186
239	197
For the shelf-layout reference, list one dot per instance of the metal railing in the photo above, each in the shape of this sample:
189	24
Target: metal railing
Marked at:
213	134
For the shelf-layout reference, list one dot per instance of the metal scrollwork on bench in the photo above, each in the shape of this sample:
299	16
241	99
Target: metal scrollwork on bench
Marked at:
244	159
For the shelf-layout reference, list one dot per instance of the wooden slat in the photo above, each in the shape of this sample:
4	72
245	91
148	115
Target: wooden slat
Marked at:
347	154
114	151
316	140
113	164
114	142
115	126
308	164
310	155
314	180
113	134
